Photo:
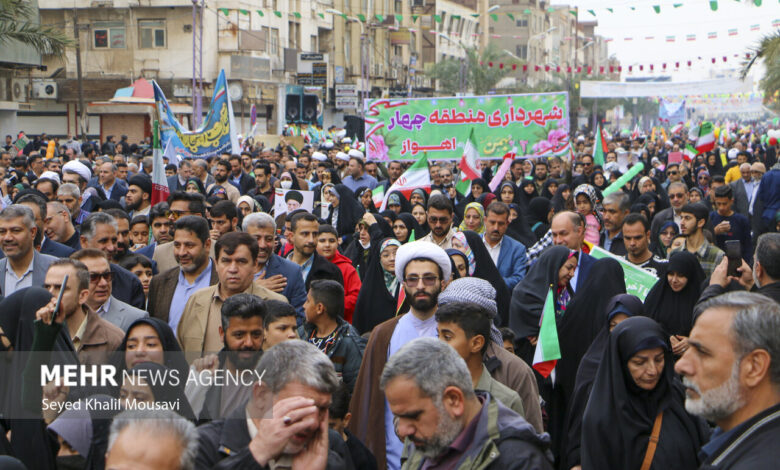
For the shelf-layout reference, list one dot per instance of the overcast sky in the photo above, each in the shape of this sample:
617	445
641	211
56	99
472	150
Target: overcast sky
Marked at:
693	17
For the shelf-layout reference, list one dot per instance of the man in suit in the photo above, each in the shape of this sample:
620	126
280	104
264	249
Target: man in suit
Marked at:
93	338
238	177
616	208
114	189
100	299
678	197
169	290
181	204
99	232
236	262
23	266
744	190
58	225
37	204
568	229
274	272
508	254
178	181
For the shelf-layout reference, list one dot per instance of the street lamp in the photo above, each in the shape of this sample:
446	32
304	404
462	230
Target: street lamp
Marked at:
363	57
493	8
462	70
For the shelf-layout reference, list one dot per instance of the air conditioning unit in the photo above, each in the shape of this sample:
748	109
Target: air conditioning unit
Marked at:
44	89
20	90
102	4
418	3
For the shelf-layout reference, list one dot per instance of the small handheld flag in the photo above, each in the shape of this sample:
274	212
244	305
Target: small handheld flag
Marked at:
548	351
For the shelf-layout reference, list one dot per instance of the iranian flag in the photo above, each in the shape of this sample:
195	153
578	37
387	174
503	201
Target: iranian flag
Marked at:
509	157
599	147
548	351
378	195
678	128
706	140
401	291
469	169
689	153
417	176
636	132
160	191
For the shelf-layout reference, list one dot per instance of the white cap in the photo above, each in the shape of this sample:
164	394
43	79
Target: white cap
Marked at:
355	153
319	156
79	168
51	175
342	156
346	140
732	154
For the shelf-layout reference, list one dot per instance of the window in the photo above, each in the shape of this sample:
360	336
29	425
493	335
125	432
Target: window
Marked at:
272	36
108	35
522	51
399	6
151	33
522	23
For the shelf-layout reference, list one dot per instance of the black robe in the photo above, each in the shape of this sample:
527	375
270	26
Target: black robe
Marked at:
619	415
487	270
674	310
411	224
350	213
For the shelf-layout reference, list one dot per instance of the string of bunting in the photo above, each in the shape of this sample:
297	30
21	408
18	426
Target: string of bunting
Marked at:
590	69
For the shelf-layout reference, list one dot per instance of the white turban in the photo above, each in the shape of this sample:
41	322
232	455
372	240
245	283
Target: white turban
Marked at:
342	156
732	154
51	175
79	168
319	156
421	249
355	153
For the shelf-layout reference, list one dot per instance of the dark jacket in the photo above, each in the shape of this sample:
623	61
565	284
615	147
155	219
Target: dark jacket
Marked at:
162	288
245	182
618	247
224	444
752	447
57	249
346	354
770	290
503	440
362	458
127	288
294	290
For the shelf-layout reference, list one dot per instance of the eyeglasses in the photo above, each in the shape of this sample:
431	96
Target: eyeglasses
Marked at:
671	173
438	220
95	277
677	196
428	281
703	177
176	214
587	164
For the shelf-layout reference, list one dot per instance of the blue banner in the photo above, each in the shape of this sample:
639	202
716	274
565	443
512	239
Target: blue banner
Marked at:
671	112
214	137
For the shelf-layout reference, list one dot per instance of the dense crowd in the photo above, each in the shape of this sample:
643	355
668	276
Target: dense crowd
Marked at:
403	338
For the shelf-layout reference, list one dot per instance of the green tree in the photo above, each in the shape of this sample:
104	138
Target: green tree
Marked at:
19	22
768	50
479	77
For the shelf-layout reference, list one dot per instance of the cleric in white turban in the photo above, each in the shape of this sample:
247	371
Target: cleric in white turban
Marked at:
422	250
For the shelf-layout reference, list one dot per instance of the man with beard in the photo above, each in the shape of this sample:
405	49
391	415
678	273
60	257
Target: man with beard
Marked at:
424	269
693	219
242	334
446	423
22	266
440	220
122	233
274	272
221	174
139	195
59	227
305	228
285	422
540	174
731	374
636	236
507	253
169	290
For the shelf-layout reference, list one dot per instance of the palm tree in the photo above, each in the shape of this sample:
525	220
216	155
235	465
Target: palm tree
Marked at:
19	23
768	49
480	78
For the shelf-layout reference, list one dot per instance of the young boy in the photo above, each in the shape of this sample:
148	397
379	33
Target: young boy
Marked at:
280	323
466	327
325	328
338	420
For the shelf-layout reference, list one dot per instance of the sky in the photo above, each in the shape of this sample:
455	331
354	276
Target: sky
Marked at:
693	17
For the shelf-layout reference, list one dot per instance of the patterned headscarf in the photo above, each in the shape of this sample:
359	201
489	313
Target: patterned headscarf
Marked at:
391	282
481	211
466	250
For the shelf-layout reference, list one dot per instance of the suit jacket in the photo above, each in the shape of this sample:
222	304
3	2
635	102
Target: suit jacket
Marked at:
127	288
245	182
162	288
41	264
295	290
512	261
56	249
101	338
584	264
174	185
121	314
193	332
163	256
741	197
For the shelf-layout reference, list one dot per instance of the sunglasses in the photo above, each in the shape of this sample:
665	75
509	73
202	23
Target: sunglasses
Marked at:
676	196
95	277
428	281
175	215
438	220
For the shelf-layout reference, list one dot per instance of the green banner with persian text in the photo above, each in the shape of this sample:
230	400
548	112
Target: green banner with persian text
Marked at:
638	281
405	129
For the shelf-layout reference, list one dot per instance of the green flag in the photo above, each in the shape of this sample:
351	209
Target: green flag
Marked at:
548	350
599	147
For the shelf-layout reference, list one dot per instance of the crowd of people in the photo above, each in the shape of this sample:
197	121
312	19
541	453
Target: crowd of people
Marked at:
401	338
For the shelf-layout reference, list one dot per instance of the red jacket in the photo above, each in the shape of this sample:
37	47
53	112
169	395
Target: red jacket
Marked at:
351	284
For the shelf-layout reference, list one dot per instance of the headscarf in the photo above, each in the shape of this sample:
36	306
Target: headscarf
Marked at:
674	310
424	228
391	282
546	193
294	179
350	211
622	410
485	199
484	268
559	203
529	295
422	193
602	186
452	252
523	196
480	211
401	200
359	195
657	246
482	184
173	357
247	199
466	251
639	208
334	175
411	226
374	303
74	426
197	182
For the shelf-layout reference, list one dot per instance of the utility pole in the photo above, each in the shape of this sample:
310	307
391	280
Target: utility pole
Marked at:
81	111
197	62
